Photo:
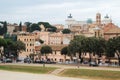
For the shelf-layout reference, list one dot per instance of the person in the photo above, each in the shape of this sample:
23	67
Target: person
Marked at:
78	63
4	59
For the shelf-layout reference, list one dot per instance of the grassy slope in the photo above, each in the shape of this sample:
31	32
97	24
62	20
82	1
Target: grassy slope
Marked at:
30	69
93	74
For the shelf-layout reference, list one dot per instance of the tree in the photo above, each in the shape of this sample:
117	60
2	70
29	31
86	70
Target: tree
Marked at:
46	24
34	27
66	31
41	41
45	50
12	37
20	26
17	47
90	46
117	48
8	48
100	46
28	26
2	44
48	27
52	29
109	49
64	51
113	47
3	28
76	46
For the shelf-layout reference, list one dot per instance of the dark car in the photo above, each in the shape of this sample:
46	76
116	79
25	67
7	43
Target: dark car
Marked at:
50	62
93	64
27	60
39	61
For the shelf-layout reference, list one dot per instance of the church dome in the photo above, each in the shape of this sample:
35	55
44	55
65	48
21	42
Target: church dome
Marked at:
89	21
106	16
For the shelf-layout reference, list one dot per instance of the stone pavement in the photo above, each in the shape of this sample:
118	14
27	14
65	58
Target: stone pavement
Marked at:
57	71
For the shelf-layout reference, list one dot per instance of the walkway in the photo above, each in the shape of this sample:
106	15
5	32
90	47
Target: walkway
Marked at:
68	66
7	75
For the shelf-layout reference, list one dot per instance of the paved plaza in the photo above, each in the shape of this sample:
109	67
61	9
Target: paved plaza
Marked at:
8	75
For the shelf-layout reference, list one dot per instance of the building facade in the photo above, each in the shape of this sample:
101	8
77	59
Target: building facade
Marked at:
28	39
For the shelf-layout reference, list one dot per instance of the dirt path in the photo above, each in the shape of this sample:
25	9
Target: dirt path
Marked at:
8	75
68	66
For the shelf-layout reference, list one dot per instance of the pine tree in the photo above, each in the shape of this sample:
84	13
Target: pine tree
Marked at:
20	26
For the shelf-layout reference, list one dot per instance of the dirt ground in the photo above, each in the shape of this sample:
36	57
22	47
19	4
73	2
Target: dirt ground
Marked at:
8	75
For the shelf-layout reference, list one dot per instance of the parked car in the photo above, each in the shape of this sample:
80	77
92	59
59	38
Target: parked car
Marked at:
8	60
50	62
93	64
20	60
85	62
27	60
38	61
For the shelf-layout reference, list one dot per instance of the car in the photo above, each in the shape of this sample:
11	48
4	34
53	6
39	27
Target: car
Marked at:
50	62
93	64
38	61
8	60
27	60
20	60
85	62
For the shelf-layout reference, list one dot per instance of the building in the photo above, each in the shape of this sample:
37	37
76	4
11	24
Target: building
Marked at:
115	32
55	38
23	28
44	36
10	28
55	55
29	40
88	28
59	27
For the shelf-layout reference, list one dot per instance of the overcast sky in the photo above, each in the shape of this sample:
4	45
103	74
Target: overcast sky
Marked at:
56	11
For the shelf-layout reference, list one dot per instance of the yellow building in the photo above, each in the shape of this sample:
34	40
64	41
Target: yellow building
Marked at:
29	40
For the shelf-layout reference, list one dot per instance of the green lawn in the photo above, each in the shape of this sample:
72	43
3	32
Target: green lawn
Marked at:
92	74
30	69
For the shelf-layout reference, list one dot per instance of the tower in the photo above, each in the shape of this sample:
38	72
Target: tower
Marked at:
98	19
69	21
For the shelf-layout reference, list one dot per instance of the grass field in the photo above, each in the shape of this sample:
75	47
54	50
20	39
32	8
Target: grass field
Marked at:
92	74
30	69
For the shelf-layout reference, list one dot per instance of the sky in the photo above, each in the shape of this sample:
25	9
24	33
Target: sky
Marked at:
56	11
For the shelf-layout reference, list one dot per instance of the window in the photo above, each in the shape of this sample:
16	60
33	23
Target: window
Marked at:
27	50
30	44
55	59
55	52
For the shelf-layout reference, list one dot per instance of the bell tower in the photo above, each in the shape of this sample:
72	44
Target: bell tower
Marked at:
98	19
